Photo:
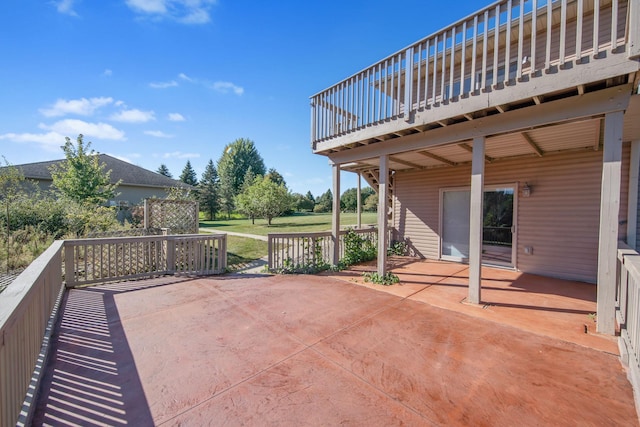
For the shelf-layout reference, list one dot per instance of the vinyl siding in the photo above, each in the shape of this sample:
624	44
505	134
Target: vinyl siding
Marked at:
560	219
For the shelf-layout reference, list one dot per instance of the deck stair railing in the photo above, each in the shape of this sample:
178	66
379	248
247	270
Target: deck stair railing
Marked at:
628	309
28	306
505	43
306	250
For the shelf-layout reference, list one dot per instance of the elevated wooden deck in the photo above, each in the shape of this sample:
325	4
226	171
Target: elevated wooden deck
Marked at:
508	56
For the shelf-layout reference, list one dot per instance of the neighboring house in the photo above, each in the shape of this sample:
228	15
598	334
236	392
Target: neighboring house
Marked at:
519	123
137	183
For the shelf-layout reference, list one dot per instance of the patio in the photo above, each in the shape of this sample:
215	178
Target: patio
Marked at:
331	350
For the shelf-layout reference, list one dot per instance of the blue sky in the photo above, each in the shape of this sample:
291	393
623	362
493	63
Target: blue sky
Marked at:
166	81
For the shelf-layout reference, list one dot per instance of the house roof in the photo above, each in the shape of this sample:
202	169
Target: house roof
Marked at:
131	175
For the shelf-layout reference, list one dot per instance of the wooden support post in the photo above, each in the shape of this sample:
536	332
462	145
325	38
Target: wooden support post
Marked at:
335	223
634	30
609	210
475	219
632	206
383	189
359	202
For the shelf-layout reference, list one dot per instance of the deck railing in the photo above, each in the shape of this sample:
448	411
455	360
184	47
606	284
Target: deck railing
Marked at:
26	308
307	251
628	309
89	261
29	304
500	45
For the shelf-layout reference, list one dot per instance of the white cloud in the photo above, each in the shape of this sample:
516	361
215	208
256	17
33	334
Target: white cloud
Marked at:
163	85
148	6
49	140
81	107
183	76
73	127
196	16
226	87
66	7
133	116
107	73
183	11
157	134
180	155
176	117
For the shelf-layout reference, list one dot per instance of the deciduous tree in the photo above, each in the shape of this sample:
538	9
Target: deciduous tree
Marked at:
237	158
264	199
82	178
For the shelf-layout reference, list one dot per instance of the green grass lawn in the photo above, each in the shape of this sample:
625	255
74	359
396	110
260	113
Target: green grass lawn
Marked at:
295	223
241	250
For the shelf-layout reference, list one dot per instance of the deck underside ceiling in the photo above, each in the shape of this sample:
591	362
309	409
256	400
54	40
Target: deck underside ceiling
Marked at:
578	134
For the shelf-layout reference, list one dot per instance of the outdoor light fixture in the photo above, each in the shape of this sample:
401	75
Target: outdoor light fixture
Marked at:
526	190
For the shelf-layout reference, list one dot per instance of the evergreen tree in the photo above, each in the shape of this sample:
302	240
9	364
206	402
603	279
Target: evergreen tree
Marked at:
164	170
208	190
188	175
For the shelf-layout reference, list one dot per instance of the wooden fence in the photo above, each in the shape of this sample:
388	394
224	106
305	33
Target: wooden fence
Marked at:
303	251
89	261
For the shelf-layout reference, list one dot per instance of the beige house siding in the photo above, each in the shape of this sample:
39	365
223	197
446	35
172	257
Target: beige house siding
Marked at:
133	195
560	219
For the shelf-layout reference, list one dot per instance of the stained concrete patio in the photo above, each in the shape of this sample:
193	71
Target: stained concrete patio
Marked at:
322	350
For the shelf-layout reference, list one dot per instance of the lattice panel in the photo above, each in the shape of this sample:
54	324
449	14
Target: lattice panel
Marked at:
178	216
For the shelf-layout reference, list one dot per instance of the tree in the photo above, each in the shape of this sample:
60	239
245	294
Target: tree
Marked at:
264	199
302	203
11	181
82	177
371	203
275	177
349	200
164	170
236	159
188	175
249	179
208	187
227	196
324	203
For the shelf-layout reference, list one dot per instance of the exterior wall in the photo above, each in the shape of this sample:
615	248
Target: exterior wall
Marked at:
136	195
560	219
132	194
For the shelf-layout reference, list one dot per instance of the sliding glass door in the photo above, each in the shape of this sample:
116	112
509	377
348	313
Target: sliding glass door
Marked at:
498	225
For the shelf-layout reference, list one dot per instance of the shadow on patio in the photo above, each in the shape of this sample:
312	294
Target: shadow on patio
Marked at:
314	350
561	309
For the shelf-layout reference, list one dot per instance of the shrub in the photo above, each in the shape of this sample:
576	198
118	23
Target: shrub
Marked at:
358	248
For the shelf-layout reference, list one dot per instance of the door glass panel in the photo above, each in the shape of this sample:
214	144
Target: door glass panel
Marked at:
497	232
455	224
